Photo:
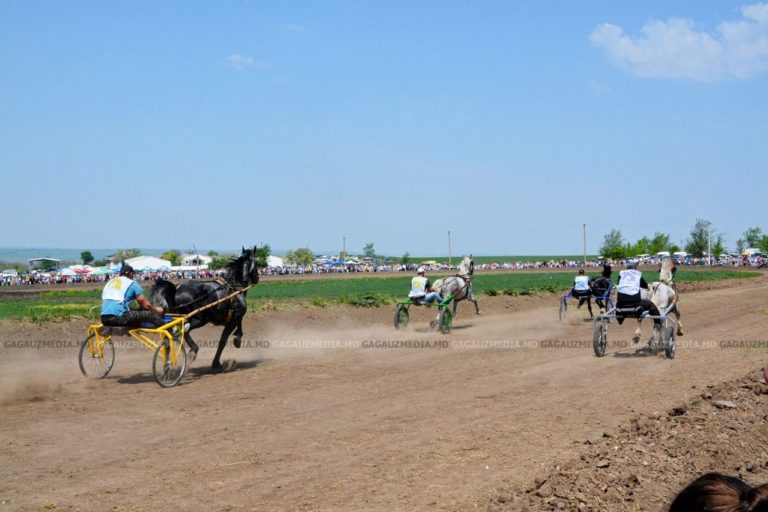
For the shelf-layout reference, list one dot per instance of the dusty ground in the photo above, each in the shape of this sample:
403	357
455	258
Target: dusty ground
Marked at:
306	424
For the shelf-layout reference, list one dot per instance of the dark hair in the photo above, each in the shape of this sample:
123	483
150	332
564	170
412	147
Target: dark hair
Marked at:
126	269
581	271
715	492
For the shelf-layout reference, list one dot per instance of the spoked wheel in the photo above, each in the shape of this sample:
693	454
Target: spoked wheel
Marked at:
563	308
166	373
670	341
401	316
96	359
444	320
600	337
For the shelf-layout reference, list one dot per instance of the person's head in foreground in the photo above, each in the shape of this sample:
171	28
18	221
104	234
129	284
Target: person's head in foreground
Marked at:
714	492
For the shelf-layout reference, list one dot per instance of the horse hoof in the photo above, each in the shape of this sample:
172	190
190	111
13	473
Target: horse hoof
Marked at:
192	356
229	365
635	339
237	342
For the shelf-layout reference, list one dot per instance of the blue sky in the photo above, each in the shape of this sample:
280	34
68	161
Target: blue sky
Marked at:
163	124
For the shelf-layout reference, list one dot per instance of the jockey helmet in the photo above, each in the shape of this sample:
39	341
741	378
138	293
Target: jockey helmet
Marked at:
631	264
126	269
420	270
581	271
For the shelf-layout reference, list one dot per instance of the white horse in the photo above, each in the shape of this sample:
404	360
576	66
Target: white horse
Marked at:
665	299
460	285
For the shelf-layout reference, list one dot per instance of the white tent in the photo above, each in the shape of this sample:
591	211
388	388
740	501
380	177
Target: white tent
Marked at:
275	261
148	262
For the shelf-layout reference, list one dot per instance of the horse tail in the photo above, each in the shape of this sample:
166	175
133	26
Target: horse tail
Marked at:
163	293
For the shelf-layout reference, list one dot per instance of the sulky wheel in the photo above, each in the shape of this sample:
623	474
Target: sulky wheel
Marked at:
401	316
96	358
563	308
600	337
670	341
444	320
166	373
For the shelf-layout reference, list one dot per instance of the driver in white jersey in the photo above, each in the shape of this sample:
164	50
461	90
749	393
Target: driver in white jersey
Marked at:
421	289
628	291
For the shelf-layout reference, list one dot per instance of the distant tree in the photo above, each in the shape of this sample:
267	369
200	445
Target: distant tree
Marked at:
405	258
100	263
212	253
718	245
262	252
698	241
752	237
174	256
343	255
740	246
369	251
220	262
126	254
763	245
660	242
613	245
302	256
87	257
48	265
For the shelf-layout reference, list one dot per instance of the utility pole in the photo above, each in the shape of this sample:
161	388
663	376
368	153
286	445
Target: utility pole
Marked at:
584	239
344	247
709	243
449	248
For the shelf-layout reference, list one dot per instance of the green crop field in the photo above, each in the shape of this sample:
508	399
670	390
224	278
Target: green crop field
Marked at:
359	291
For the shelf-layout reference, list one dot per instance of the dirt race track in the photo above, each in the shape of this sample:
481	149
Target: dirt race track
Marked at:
304	424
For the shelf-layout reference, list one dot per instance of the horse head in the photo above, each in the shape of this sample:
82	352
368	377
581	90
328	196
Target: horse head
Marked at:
467	267
244	270
163	293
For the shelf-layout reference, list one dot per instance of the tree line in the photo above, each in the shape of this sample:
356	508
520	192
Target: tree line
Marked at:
697	244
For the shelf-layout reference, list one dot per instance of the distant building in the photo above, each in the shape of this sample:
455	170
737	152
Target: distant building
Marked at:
195	260
43	263
275	261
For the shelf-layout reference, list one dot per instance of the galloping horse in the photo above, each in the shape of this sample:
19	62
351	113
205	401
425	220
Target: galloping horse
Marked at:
460	285
241	272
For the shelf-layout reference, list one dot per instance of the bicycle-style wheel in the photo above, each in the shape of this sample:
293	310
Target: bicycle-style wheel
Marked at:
600	337
96	357
401	316
166	373
670	341
444	320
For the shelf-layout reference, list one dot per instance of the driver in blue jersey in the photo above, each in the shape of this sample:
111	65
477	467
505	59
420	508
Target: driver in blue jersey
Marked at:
421	289
116	300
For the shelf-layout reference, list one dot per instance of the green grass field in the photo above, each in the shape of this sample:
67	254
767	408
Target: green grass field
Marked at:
360	291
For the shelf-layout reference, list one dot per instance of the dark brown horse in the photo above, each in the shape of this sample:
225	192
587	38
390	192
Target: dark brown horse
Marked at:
241	272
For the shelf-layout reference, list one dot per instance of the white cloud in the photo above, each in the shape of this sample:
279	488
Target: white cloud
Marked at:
676	48
239	62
